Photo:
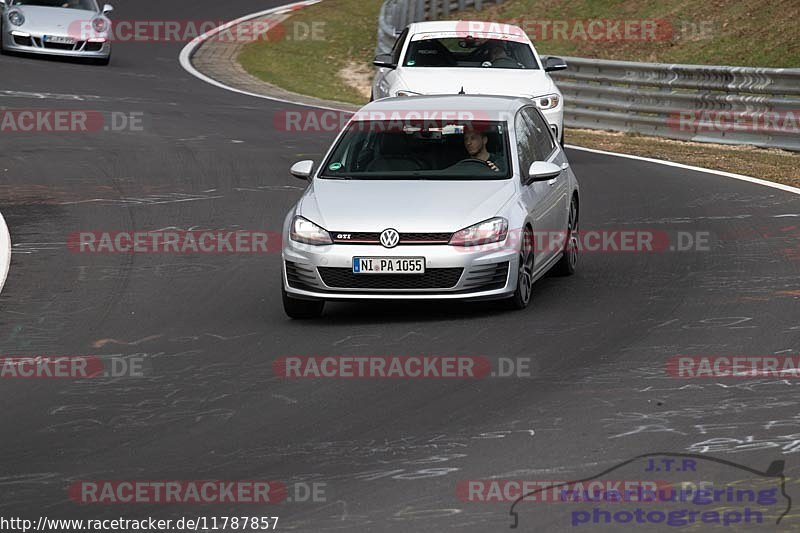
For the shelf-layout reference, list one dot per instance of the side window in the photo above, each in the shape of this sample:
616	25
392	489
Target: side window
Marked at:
397	49
525	149
542	141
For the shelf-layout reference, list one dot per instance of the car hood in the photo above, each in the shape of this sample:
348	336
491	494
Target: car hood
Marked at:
417	206
505	82
55	20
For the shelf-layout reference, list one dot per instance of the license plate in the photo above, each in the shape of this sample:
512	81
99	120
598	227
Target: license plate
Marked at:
388	265
58	39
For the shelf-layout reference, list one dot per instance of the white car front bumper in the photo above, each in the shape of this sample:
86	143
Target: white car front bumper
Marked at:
325	272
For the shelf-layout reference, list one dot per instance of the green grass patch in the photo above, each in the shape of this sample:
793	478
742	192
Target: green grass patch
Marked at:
349	35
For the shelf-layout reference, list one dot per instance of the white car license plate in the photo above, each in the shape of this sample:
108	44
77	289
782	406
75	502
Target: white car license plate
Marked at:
388	265
58	39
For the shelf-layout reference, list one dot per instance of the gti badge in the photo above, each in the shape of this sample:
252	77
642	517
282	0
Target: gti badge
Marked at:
390	238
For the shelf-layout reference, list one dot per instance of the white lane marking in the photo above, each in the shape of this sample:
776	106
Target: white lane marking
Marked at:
186	56
48	96
781	186
5	252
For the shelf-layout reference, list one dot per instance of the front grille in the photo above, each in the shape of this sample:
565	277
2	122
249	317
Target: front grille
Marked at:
23	41
405	238
486	277
301	276
93	47
59	46
435	278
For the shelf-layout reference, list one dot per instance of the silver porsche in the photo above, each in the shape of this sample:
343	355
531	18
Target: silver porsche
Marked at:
432	197
71	28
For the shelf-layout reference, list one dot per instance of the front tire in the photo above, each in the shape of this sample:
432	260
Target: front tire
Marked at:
568	263
299	309
522	296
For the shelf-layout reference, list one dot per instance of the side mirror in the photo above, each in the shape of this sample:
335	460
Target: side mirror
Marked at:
3	3
302	169
543	171
108	8
551	64
384	60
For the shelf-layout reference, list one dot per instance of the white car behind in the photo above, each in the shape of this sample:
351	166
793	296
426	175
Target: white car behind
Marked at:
468	57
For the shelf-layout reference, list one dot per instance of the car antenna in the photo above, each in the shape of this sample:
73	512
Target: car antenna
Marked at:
462	90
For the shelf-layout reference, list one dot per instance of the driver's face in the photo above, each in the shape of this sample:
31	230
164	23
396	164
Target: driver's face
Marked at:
474	142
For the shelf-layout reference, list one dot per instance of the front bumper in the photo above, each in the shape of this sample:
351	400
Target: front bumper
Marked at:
18	40
325	272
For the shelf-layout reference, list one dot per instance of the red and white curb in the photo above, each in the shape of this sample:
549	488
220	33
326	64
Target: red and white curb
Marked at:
185	56
5	251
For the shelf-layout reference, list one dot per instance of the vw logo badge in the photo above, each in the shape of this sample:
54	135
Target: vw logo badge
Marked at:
390	238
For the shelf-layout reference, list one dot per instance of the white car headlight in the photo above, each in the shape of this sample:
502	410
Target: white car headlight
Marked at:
487	232
305	231
548	101
16	18
99	24
406	93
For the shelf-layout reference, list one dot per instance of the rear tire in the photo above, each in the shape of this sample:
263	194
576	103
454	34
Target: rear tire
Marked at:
568	263
299	309
522	295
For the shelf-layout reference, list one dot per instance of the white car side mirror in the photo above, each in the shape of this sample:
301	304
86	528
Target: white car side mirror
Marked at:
543	171
302	169
108	8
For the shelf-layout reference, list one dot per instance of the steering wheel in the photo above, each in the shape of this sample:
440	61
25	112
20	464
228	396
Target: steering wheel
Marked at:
473	160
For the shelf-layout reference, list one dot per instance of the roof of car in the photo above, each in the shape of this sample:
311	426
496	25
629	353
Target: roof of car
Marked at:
464	25
471	107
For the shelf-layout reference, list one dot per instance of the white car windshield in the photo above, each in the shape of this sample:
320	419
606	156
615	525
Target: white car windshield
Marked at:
88	5
469	52
410	149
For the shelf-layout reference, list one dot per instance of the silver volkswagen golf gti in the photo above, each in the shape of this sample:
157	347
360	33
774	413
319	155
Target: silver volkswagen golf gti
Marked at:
432	197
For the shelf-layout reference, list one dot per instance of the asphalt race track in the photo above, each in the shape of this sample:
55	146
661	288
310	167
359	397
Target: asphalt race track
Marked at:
391	452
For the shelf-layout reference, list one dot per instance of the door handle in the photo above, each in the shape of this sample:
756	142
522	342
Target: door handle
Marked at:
552	182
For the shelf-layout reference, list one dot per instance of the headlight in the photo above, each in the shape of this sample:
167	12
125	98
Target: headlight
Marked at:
305	231
406	93
16	18
492	230
548	101
99	25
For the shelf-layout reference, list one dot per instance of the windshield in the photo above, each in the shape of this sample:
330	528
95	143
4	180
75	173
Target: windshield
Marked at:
469	52
415	150
88	5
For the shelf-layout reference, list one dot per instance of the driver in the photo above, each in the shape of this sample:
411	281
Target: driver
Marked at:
498	56
475	143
